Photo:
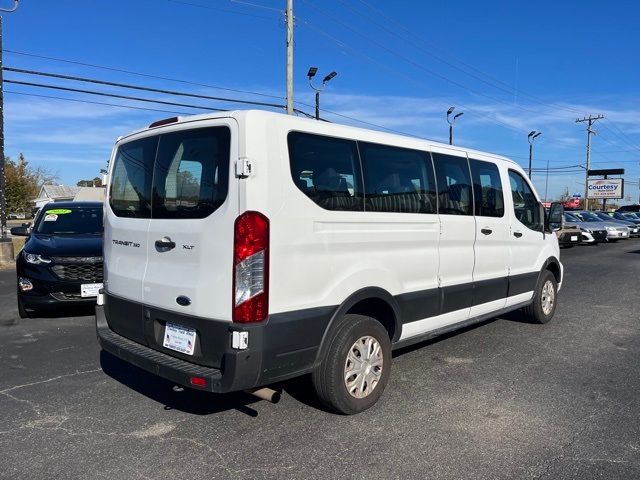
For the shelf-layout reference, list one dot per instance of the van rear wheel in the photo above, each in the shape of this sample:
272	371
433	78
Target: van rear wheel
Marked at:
545	299
355	370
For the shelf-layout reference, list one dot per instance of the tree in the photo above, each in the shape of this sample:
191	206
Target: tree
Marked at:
23	183
96	182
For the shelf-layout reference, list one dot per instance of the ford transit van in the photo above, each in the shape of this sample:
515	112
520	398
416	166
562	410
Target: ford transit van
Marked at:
245	248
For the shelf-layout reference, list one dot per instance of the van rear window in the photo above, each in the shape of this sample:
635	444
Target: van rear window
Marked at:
182	174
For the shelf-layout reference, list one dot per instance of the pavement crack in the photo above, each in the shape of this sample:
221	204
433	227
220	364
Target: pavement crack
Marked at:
52	379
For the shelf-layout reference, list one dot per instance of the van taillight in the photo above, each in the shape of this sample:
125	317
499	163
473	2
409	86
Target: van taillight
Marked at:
250	268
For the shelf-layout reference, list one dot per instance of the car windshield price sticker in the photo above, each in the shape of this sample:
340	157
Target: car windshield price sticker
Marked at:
179	338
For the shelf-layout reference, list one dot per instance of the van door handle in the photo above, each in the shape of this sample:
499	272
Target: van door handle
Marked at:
487	231
517	234
165	244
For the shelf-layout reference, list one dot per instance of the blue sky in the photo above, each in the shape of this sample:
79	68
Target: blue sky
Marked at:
512	67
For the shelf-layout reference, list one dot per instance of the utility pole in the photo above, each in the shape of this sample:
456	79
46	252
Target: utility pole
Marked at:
289	19
3	199
590	120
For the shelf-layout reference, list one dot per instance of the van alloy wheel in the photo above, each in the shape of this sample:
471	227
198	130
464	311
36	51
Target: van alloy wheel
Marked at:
363	367
548	297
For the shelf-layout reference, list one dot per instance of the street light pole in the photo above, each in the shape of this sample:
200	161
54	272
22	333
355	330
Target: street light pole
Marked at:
451	122
530	138
3	185
312	73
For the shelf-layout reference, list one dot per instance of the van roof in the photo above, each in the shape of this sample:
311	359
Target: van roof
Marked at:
241	115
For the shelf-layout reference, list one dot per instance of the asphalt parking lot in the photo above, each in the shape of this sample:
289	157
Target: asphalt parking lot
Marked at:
505	399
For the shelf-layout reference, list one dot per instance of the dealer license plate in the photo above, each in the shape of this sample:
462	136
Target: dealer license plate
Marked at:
90	289
574	238
179	338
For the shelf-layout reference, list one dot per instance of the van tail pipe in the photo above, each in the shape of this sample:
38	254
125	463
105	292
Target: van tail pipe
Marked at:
268	394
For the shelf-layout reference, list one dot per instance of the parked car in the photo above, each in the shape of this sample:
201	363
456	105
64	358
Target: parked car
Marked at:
569	234
246	248
634	229
61	261
614	230
628	216
592	234
629	208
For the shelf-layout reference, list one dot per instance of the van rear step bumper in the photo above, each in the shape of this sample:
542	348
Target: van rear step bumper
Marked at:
158	363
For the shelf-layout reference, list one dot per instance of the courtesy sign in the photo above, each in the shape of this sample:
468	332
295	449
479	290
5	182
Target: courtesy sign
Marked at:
610	188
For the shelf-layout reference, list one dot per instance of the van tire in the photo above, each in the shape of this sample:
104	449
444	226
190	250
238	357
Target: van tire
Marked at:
351	334
540	310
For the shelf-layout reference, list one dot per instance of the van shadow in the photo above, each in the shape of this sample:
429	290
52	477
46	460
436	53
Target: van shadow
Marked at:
160	390
514	316
634	251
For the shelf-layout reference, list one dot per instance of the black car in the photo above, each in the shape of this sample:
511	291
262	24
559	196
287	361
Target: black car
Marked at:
629	208
61	262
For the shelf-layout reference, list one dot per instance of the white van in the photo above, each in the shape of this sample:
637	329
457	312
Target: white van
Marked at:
245	248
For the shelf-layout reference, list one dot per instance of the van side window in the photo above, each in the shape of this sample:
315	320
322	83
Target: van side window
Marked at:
397	179
454	185
131	177
525	204
487	189
191	174
326	170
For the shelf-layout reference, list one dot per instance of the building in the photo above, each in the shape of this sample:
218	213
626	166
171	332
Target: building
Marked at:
62	193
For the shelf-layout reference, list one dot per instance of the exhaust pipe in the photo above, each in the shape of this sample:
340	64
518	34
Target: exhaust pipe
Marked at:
267	394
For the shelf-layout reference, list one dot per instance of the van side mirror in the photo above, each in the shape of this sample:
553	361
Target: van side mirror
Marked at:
555	217
22	231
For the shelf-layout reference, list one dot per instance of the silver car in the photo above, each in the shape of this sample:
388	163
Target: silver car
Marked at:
591	234
634	229
615	231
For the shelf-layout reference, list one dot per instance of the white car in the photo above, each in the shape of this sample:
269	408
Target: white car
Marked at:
245	248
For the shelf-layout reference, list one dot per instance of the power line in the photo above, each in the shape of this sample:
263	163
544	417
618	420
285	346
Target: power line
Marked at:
395	72
624	138
209	7
137	87
257	5
382	26
511	89
112	95
139	74
411	61
93	103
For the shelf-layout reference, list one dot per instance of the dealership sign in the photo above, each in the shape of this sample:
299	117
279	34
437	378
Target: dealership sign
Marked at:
610	188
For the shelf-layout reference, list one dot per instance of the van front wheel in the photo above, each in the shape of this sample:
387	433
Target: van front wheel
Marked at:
545	299
354	372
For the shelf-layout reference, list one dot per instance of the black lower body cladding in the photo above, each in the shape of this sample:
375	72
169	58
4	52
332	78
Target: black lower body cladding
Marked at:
283	346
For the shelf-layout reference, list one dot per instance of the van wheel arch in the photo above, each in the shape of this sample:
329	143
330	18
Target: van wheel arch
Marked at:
372	302
552	264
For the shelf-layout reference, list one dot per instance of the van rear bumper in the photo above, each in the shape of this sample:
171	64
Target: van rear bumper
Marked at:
283	347
155	362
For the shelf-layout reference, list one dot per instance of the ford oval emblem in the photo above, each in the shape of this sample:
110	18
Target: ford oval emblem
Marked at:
184	301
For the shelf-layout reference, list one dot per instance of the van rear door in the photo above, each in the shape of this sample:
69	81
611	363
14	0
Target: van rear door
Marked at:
127	217
190	236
